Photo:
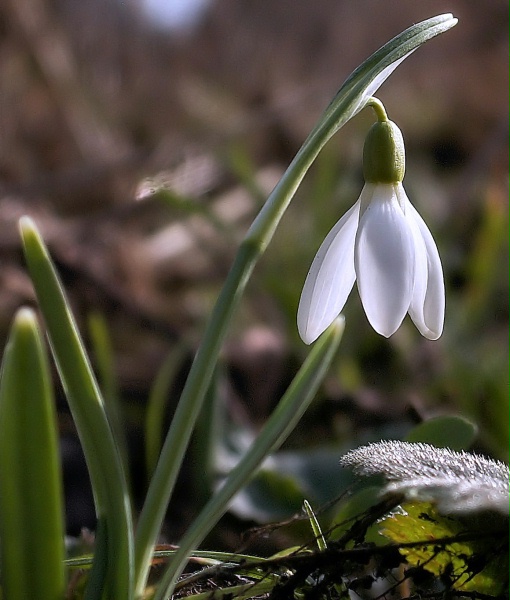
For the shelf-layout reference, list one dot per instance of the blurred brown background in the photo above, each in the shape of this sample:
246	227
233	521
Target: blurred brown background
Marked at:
144	149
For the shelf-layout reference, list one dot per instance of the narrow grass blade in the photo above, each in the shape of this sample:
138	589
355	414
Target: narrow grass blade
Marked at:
316	528
101	451
31	497
157	405
205	442
281	423
258	589
103	351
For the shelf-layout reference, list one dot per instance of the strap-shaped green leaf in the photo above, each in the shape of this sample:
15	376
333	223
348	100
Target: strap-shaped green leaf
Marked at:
101	347
281	423
31	506
100	449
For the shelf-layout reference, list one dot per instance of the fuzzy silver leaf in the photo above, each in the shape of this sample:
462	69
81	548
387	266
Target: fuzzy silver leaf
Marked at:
457	482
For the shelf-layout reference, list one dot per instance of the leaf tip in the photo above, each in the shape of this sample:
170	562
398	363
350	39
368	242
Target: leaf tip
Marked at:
32	241
26	224
25	317
339	324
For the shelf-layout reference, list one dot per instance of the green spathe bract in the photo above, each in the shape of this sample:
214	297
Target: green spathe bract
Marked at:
31	505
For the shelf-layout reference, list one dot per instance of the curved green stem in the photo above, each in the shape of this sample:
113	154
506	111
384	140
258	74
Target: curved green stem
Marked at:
378	106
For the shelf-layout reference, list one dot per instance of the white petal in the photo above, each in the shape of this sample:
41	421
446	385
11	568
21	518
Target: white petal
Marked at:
428	302
384	260
330	278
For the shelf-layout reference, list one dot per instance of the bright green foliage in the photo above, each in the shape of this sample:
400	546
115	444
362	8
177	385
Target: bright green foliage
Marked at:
474	563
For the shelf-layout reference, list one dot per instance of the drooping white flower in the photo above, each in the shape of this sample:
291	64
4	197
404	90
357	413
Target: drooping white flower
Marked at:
384	245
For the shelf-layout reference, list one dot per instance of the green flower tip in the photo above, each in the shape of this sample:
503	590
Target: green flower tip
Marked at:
384	154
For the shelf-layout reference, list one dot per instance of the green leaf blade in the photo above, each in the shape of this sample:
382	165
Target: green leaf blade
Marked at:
31	496
284	418
100	448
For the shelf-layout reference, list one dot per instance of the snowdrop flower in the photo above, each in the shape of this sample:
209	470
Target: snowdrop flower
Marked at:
383	244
